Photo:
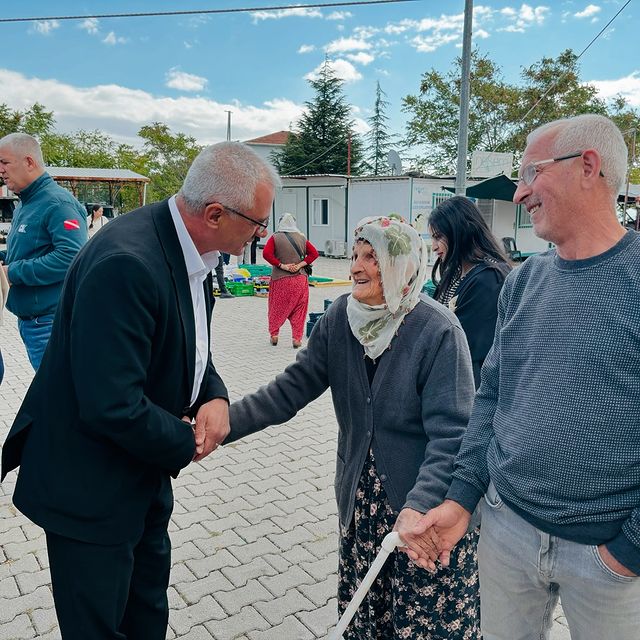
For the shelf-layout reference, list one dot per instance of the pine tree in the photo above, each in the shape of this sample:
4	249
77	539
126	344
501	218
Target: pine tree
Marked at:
319	143
378	137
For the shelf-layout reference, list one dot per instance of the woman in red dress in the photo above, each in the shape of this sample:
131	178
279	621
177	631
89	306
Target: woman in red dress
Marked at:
289	253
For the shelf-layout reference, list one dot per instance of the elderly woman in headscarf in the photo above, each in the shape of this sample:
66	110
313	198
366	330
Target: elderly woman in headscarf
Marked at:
399	370
289	252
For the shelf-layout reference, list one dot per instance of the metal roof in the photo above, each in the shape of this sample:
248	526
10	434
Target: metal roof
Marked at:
90	174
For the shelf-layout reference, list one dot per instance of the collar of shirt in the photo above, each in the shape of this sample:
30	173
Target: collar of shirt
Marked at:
197	265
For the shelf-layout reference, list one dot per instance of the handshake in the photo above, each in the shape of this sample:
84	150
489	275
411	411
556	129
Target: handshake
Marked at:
210	427
431	536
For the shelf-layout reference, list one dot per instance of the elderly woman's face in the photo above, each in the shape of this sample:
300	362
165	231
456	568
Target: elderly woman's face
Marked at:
365	275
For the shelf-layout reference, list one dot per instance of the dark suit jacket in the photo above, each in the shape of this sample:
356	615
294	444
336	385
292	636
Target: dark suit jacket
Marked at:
100	428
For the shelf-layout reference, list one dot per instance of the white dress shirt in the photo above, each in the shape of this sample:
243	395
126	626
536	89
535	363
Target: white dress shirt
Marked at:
198	266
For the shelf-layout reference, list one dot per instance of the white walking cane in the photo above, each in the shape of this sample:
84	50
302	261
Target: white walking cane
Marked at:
390	542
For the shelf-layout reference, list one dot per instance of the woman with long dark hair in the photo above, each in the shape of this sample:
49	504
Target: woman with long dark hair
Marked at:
468	273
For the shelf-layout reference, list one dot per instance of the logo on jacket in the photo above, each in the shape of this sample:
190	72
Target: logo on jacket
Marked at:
71	224
22	228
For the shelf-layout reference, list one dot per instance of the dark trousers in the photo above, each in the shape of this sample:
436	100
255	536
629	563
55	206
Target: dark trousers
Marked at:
254	249
109	592
220	275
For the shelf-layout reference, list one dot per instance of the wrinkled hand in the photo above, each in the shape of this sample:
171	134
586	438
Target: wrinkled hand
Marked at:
211	427
288	267
423	549
450	521
613	564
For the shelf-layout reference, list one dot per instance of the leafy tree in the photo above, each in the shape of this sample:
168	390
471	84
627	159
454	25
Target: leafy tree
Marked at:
320	143
435	113
379	140
500	114
35	121
168	157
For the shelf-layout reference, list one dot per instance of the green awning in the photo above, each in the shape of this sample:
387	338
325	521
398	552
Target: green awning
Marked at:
498	188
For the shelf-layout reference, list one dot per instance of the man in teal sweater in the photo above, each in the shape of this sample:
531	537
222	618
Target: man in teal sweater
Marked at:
47	231
553	441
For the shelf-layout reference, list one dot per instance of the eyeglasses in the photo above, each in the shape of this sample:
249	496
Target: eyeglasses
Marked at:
530	172
263	225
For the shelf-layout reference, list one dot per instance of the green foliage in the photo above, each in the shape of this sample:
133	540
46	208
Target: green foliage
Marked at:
35	121
167	157
320	143
379	140
500	114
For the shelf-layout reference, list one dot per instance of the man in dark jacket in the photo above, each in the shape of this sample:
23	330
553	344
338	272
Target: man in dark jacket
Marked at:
108	417
47	231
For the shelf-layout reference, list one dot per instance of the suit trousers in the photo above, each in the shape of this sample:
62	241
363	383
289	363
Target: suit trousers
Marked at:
109	592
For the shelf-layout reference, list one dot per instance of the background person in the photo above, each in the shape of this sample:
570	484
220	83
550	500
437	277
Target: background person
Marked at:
47	231
468	272
289	252
399	371
96	459
553	441
96	220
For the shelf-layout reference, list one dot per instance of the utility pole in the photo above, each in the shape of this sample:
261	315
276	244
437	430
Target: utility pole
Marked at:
228	125
465	90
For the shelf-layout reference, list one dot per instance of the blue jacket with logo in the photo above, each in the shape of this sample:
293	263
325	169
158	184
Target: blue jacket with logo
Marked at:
48	229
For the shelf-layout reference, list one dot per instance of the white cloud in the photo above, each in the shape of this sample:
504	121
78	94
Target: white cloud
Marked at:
589	11
361	58
299	12
523	18
306	48
347	44
90	25
45	27
628	87
112	39
339	15
120	111
176	79
426	44
480	33
342	68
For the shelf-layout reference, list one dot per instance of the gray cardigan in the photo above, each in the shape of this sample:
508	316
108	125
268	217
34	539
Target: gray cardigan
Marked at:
413	416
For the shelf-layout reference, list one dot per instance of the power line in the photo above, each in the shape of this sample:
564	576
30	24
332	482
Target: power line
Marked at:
564	75
324	153
147	14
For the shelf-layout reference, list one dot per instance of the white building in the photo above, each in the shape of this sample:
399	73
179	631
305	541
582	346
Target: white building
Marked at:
328	207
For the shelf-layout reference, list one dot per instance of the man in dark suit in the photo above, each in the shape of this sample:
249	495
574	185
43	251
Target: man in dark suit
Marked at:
127	395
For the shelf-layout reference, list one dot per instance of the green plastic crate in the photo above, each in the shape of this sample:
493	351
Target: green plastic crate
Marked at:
257	269
240	288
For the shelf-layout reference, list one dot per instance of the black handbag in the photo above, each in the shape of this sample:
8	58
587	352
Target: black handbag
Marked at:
307	267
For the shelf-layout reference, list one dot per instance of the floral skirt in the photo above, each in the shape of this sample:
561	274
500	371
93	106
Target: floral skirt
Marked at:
405	601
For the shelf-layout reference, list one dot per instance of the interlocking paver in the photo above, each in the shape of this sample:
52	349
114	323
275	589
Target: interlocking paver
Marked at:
231	627
254	526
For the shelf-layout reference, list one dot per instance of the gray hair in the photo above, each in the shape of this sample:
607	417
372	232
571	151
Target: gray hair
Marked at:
228	172
24	145
590	131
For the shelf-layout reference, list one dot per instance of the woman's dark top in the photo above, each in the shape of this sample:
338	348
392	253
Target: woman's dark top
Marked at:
475	302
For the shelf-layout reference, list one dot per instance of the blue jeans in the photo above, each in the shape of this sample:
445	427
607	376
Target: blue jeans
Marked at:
35	334
523	572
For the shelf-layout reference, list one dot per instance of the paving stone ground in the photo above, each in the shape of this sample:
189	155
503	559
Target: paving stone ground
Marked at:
254	525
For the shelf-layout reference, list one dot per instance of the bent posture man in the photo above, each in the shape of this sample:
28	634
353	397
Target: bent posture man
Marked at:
47	231
102	426
553	441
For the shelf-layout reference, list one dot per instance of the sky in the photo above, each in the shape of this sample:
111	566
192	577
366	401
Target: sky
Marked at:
118	74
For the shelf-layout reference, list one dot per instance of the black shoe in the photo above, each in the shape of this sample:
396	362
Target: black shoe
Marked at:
226	294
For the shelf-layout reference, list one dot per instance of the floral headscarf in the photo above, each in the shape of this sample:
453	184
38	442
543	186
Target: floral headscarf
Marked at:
402	260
